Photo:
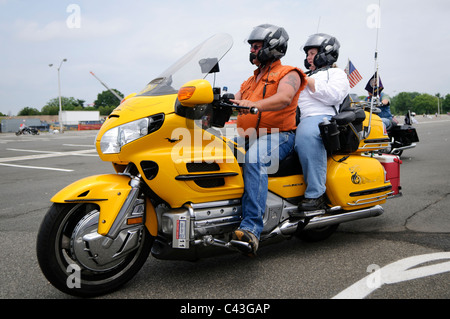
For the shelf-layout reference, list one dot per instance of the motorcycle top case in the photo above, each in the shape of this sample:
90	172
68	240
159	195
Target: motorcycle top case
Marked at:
355	182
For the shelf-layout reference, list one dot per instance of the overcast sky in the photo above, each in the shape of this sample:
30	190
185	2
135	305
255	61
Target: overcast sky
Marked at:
128	43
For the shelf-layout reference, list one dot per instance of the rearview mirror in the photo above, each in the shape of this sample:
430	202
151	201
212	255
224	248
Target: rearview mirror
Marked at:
196	92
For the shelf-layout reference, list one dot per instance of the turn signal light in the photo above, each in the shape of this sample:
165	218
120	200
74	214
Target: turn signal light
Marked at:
136	220
186	93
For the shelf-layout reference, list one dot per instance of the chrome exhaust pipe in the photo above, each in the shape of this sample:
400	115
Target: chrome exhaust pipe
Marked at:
323	221
285	229
289	227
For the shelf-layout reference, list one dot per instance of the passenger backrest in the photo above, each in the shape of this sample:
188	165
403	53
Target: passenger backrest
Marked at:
350	123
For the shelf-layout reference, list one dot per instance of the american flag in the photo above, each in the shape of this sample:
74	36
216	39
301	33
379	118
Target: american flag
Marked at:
352	74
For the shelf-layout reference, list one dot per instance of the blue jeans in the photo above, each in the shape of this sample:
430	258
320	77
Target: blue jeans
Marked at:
262	158
387	123
312	155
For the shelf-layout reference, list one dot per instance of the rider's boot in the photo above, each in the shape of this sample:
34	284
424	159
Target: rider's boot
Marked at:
310	207
246	237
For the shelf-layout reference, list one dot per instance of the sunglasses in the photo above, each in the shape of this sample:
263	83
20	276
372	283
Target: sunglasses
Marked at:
256	47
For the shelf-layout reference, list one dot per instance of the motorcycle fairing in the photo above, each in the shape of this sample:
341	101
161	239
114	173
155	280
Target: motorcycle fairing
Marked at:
177	149
109	192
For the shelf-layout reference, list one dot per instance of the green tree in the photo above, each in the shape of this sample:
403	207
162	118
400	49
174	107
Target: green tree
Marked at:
106	110
402	102
29	111
446	104
67	104
50	109
106	98
425	104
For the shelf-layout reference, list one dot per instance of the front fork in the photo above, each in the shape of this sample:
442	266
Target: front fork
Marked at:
134	211
127	215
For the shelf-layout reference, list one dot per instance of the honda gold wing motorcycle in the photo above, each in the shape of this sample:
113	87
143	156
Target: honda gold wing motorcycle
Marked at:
402	136
178	184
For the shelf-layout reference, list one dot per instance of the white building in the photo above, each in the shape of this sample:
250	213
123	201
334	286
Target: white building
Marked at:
75	117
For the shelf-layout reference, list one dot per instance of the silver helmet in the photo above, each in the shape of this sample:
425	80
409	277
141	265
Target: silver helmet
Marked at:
328	49
275	40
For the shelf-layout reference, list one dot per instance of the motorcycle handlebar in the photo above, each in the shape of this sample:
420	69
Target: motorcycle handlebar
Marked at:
253	110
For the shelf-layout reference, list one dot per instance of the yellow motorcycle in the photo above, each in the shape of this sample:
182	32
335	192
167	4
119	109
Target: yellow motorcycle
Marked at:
178	187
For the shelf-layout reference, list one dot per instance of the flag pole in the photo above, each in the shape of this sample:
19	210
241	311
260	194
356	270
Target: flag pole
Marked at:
114	93
377	26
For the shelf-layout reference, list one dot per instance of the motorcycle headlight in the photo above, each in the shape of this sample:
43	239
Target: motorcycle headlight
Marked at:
113	140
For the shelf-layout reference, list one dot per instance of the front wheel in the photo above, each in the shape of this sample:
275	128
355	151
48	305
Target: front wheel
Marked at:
79	261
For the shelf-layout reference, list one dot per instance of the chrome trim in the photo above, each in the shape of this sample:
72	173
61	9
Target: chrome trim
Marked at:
369	200
367	146
125	211
402	148
192	177
285	229
215	217
323	221
88	246
85	200
219	203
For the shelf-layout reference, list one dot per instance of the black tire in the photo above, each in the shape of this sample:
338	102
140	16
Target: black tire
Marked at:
55	257
317	234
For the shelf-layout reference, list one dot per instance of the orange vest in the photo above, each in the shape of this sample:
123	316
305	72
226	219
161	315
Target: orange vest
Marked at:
251	90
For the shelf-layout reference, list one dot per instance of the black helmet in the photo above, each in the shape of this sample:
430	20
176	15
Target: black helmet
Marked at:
328	49
274	40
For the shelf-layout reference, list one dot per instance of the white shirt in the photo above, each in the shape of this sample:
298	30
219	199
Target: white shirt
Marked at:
332	87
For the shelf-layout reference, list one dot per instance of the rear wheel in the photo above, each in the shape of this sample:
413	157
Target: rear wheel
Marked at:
79	261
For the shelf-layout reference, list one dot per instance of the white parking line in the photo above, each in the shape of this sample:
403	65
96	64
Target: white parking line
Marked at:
80	145
405	269
38	167
46	154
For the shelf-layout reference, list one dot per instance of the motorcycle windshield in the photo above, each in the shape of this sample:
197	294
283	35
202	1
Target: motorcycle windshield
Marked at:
196	64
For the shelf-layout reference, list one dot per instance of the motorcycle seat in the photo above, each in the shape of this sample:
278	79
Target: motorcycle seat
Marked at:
289	166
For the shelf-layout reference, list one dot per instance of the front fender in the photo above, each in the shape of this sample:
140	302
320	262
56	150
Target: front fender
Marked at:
109	192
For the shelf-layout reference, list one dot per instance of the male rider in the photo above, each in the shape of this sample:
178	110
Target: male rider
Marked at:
273	90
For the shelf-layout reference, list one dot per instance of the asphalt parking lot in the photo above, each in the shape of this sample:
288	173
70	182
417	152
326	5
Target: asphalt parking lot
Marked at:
33	168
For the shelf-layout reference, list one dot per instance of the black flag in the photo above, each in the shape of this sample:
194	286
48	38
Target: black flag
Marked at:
372	87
